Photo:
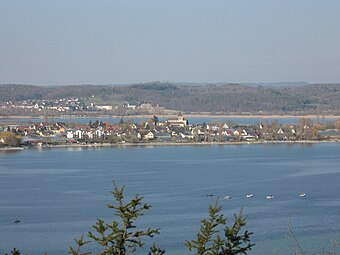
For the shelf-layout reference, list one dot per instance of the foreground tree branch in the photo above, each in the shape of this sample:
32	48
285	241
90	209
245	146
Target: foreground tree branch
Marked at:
120	237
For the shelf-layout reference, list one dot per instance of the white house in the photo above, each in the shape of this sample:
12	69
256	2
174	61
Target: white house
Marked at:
79	134
89	134
104	107
69	135
149	136
99	133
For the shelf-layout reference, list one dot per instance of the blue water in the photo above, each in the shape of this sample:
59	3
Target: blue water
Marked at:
59	193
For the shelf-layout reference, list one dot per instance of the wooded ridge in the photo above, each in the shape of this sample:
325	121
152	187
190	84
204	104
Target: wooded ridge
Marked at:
236	98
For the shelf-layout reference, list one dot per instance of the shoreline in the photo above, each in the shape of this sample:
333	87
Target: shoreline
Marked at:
12	149
274	116
160	144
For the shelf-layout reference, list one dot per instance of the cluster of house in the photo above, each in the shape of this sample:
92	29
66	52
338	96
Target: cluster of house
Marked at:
60	105
99	131
170	130
66	105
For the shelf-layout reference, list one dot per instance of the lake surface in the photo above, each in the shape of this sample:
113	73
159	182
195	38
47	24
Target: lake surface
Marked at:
59	193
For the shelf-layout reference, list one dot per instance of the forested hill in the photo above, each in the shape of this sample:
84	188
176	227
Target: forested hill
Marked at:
313	98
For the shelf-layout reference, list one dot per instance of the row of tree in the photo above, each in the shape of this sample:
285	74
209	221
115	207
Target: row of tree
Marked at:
9	139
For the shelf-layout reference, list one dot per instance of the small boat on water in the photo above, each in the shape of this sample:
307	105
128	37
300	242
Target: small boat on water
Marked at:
227	197
210	195
16	220
302	195
250	195
269	196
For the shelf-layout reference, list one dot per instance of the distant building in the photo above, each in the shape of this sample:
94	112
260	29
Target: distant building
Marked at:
149	136
104	107
146	106
179	122
129	106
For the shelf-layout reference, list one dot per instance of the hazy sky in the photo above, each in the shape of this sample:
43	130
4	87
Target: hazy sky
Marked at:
111	41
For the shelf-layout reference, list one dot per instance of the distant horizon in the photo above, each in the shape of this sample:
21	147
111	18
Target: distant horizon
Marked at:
250	83
279	83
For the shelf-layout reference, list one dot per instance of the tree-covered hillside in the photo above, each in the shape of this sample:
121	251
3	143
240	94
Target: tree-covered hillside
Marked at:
314	98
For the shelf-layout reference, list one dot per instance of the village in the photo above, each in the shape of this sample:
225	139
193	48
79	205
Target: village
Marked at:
77	106
172	130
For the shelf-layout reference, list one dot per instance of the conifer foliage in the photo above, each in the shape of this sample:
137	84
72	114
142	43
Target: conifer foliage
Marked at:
209	242
121	236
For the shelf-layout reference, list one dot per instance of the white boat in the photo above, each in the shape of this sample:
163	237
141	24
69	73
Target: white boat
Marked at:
210	195
250	195
269	196
227	197
302	195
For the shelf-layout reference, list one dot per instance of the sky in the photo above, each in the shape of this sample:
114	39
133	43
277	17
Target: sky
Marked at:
123	41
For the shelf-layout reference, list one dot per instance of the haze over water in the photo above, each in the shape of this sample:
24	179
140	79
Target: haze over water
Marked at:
59	193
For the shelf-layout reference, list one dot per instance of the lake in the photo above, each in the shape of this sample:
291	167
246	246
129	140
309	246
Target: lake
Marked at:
59	193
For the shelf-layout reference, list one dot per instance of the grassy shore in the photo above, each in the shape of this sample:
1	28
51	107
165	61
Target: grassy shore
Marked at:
190	143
